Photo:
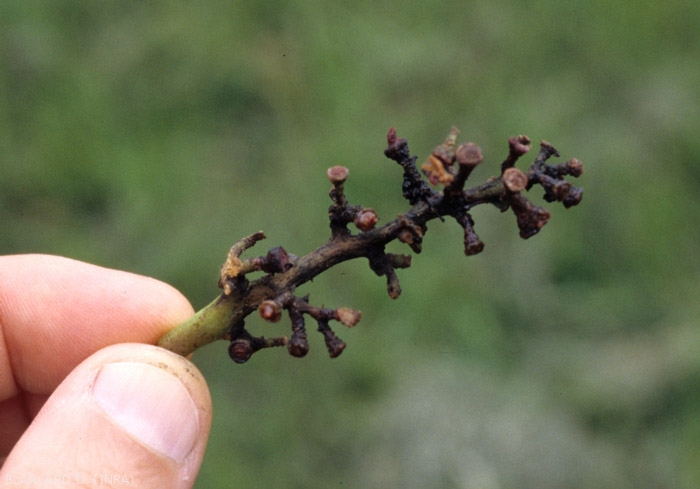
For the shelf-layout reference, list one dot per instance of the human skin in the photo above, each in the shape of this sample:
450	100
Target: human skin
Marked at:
84	394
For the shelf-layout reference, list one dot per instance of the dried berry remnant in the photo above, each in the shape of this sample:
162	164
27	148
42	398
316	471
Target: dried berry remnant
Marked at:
573	197
397	148
341	213
270	311
276	261
515	180
243	345
572	167
385	264
298	345
468	156
519	145
337	175
366	219
415	189
472	244
334	344
531	218
551	177
546	152
240	351
274	293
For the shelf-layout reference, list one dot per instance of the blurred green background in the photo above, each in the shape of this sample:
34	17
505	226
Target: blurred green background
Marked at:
149	136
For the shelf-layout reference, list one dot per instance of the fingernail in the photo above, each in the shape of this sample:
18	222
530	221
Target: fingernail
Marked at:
153	406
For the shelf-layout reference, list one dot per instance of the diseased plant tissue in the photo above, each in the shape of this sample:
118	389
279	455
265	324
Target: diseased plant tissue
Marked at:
447	169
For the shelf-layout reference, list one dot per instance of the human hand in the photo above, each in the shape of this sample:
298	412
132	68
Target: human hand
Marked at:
84	397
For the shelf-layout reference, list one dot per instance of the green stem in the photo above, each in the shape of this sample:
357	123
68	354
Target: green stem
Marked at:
209	324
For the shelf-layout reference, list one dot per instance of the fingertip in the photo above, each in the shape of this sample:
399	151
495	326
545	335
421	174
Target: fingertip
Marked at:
57	311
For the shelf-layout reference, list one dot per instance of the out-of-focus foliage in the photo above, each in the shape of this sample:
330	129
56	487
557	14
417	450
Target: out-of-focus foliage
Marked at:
150	136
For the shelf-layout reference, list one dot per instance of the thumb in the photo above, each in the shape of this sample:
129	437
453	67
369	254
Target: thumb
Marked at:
130	414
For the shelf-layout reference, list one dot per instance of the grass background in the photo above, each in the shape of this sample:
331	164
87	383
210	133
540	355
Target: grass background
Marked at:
149	136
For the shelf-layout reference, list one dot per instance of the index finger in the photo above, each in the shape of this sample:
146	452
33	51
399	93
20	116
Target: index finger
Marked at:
55	312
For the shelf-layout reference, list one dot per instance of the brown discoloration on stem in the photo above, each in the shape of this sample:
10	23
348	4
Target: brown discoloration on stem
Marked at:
284	274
